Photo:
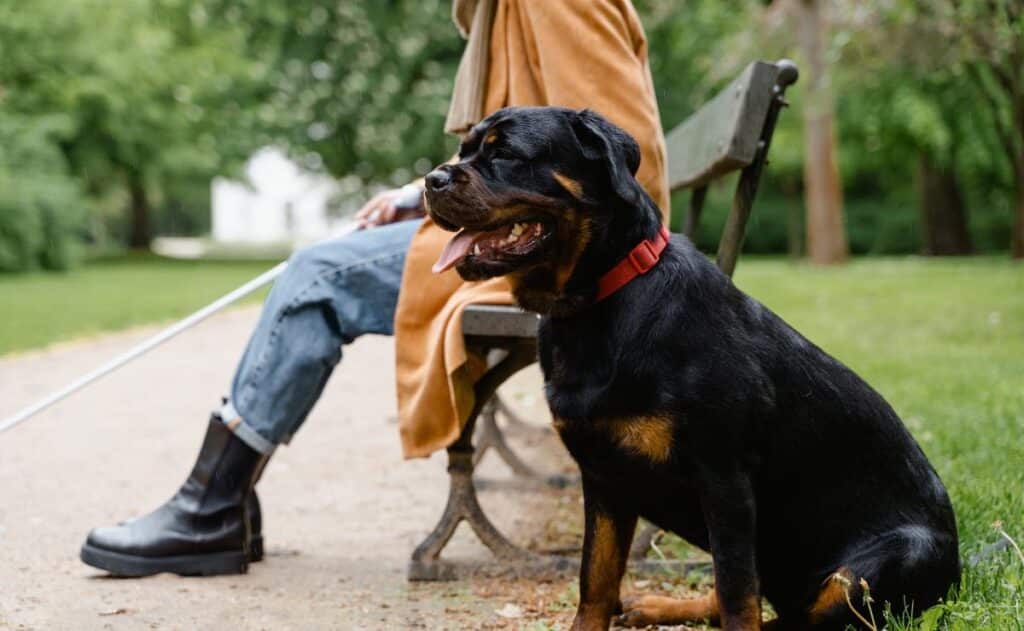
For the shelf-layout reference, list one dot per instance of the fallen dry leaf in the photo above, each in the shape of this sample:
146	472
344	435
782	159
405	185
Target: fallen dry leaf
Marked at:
510	611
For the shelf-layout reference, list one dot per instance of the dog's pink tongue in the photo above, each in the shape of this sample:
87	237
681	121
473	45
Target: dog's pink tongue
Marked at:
455	251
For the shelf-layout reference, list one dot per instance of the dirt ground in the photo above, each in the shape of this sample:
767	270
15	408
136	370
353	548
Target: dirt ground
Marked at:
343	511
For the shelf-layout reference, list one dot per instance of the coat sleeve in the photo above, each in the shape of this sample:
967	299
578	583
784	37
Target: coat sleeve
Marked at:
593	54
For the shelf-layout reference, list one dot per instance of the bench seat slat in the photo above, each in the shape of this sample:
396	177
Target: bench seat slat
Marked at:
499	321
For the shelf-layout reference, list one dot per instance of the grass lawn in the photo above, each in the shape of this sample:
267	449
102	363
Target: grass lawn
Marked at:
942	340
107	295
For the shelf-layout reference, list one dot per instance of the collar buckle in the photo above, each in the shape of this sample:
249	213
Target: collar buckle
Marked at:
640	260
643	257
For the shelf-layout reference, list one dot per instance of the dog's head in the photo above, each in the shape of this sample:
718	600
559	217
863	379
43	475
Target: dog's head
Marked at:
543	195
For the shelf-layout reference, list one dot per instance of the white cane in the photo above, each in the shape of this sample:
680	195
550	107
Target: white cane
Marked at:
263	279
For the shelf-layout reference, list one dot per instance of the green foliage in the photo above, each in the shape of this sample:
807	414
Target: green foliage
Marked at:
41	210
162	95
361	89
883	225
903	91
693	50
148	93
910	94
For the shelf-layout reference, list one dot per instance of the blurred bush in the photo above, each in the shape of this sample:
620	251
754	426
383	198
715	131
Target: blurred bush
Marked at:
42	213
875	227
907	95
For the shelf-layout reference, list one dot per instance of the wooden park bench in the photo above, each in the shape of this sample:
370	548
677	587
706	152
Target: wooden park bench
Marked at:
732	131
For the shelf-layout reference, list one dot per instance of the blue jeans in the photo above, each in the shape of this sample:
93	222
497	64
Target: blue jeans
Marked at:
330	294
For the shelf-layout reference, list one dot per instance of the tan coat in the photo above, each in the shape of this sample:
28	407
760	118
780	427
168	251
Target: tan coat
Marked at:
573	53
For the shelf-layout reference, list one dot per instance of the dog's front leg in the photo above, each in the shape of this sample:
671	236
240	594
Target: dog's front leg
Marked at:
608	531
730	513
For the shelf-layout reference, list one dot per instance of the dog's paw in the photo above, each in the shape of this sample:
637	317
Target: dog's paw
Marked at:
647	610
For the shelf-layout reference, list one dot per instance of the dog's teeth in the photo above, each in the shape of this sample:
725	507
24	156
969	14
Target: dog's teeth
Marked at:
476	249
517	229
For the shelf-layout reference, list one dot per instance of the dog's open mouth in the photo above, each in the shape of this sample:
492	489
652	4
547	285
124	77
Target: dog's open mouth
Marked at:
502	244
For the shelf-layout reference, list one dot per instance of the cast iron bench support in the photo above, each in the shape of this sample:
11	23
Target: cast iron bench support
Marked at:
489	436
521	351
733	131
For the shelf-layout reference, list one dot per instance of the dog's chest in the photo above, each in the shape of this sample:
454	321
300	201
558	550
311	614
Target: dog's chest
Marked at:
588	393
648	439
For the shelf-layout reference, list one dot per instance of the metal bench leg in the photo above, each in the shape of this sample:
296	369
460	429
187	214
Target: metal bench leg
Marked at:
515	425
426	564
490	435
649	534
642	541
696	208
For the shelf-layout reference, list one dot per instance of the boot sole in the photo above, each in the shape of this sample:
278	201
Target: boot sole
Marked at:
130	565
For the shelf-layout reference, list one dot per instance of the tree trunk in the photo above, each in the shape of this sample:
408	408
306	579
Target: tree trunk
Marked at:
943	215
826	235
139	213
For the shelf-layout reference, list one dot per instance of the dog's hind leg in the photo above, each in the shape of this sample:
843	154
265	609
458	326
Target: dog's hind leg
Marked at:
911	568
649	610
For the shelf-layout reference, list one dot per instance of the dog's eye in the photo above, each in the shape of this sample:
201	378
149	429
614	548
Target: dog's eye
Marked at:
502	153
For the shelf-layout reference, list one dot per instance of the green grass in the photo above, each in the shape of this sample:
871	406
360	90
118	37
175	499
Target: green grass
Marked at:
943	341
108	295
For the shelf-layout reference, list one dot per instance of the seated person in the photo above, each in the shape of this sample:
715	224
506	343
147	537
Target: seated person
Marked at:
573	53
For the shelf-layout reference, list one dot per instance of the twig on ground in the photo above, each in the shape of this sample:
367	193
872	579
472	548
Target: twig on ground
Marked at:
654	546
998	527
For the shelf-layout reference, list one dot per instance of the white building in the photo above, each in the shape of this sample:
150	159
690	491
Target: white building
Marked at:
278	202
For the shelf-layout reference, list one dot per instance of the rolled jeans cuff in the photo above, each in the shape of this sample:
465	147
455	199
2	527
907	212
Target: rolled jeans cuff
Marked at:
245	433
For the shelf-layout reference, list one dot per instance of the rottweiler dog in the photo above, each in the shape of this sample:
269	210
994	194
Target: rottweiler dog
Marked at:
687	402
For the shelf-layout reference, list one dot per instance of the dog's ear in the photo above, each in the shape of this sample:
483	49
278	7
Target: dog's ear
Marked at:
602	141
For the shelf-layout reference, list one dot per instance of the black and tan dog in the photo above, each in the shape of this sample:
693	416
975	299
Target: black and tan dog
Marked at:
687	402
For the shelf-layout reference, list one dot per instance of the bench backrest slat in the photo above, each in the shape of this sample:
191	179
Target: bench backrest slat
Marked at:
723	135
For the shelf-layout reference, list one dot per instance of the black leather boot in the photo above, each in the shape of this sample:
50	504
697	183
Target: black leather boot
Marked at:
255	516
205	529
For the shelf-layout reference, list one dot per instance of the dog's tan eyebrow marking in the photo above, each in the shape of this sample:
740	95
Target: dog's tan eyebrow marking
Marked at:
575	188
471	141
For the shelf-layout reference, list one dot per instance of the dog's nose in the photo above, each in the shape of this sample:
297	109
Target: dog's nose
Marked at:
438	179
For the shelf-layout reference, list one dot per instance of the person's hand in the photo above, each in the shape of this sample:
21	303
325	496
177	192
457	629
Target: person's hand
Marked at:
386	207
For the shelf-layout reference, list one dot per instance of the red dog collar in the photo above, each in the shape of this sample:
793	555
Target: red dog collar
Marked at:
639	261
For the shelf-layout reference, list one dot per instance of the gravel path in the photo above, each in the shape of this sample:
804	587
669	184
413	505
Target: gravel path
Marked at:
342	509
